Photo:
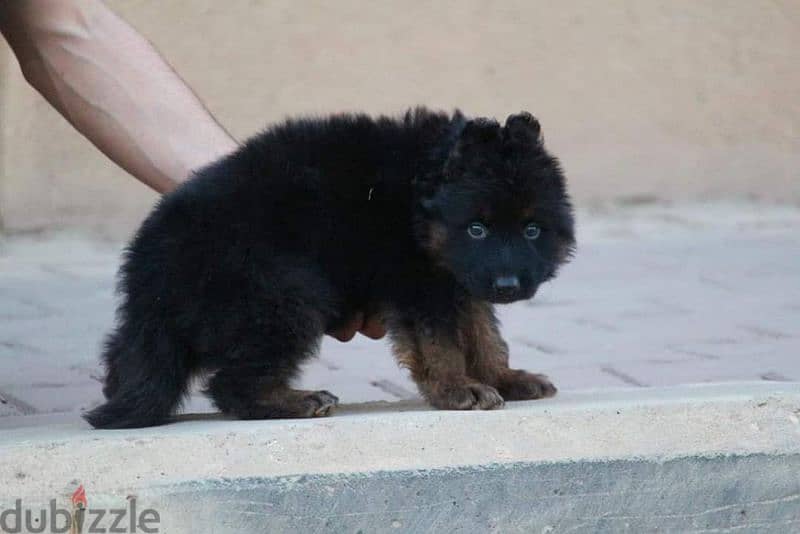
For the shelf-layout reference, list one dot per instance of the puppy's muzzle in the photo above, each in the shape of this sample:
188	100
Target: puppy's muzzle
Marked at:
506	286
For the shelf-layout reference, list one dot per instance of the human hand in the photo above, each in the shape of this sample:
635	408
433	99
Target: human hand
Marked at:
369	325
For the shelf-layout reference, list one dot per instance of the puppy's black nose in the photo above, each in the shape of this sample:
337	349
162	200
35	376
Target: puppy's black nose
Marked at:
506	284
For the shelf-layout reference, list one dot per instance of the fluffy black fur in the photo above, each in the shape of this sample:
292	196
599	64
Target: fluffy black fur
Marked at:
242	269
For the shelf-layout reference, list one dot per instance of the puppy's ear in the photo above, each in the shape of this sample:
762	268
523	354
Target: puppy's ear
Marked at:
426	189
475	139
479	131
523	129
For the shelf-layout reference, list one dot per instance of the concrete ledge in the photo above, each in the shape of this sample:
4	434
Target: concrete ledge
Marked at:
690	458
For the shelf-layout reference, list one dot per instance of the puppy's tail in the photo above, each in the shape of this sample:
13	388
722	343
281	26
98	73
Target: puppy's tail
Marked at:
147	403
142	389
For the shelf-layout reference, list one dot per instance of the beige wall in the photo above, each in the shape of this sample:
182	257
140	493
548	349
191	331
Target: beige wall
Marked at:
672	98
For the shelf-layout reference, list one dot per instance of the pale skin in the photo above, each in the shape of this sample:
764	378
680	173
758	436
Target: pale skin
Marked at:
114	87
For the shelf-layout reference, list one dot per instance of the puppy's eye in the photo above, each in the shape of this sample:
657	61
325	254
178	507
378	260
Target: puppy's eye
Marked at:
477	231
532	231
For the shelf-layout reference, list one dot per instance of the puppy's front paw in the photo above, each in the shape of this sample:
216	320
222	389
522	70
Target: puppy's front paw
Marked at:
321	402
522	385
464	396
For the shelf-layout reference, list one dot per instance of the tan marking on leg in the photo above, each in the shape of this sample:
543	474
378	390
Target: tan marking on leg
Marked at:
487	352
298	402
487	358
425	355
438	366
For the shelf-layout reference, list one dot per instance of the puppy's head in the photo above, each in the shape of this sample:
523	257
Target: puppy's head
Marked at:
498	216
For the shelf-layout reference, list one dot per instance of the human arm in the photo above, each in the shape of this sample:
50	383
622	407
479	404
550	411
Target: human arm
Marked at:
110	83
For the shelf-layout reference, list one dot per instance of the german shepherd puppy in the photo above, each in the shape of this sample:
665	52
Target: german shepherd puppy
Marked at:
430	218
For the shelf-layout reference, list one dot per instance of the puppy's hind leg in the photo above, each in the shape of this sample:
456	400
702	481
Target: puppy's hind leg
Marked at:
146	378
256	393
265	352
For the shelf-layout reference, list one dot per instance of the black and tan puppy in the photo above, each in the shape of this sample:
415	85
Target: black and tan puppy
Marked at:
430	218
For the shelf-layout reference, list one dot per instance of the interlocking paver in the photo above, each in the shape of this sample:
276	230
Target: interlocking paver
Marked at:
657	295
